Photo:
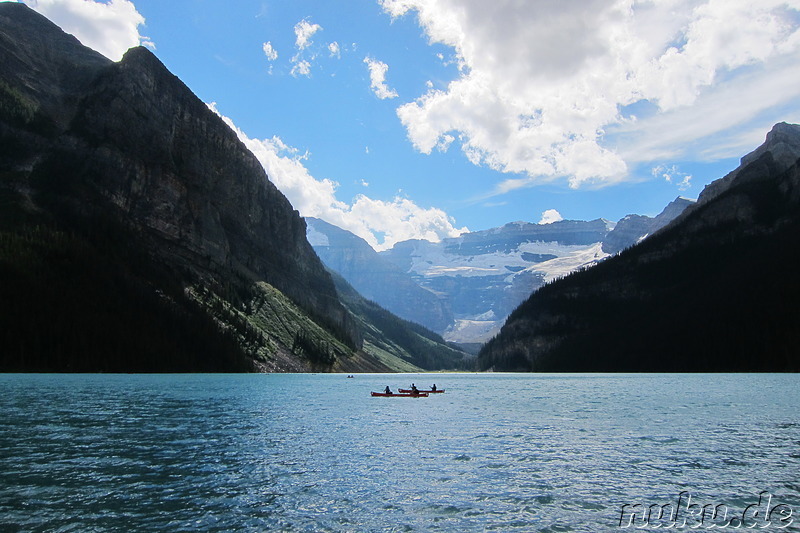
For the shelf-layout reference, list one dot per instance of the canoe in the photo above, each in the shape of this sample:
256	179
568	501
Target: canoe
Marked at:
423	391
401	395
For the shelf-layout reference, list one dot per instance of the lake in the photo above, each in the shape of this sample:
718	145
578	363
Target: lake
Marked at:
495	452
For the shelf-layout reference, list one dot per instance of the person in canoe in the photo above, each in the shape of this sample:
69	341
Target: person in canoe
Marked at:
387	390
414	389
433	387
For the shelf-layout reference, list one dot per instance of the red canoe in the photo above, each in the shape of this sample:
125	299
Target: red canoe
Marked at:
424	391
406	395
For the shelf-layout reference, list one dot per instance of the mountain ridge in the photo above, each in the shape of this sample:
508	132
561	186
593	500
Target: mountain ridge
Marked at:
137	231
712	291
478	277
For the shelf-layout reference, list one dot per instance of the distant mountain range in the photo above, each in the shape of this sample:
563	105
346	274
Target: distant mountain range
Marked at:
465	287
715	290
137	233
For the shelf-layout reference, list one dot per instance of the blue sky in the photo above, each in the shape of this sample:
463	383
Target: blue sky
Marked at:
402	119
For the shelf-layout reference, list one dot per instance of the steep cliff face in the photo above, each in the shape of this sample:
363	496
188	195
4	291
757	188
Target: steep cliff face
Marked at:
44	75
188	185
714	290
47	65
128	164
783	145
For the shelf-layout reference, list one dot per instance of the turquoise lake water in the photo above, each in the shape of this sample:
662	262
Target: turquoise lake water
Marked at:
495	452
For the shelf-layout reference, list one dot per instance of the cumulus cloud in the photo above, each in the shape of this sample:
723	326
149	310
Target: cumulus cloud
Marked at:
541	83
304	30
301	62
269	51
550	216
110	28
377	76
672	174
381	223
335	49
301	67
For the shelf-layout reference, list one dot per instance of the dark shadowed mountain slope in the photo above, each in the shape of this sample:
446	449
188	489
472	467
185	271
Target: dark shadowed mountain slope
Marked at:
137	233
716	290
399	344
632	229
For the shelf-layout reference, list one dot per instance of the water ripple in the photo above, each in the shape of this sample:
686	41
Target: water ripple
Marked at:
495	453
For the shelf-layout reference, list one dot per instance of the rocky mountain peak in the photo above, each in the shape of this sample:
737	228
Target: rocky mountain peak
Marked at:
676	206
783	145
47	68
634	228
783	142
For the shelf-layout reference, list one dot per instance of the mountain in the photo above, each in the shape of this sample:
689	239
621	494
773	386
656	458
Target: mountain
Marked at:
632	229
485	274
137	233
482	276
376	278
714	290
399	344
465	287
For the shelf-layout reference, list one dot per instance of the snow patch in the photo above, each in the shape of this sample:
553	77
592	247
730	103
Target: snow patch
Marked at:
435	261
472	330
561	266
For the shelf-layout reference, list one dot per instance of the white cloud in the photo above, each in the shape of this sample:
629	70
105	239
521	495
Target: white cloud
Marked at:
672	174
334	49
269	51
541	83
550	216
301	62
380	223
377	76
111	27
735	118
301	68
304	30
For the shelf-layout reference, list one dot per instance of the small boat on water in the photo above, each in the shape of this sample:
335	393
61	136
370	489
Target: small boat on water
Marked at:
408	394
423	391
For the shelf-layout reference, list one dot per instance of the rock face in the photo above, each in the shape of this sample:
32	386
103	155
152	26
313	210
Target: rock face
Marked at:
783	143
632	229
376	278
128	162
714	290
188	185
